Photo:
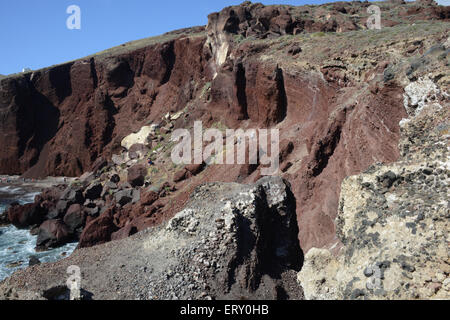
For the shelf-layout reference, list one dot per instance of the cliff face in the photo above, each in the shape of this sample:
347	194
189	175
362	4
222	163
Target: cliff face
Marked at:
333	88
393	221
59	120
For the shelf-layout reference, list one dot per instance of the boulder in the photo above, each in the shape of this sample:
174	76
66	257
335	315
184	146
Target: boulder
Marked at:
93	212
4	220
119	159
136	175
98	230
387	179
25	216
137	151
52	233
59	210
123	197
93	191
107	188
99	203
34	230
111	185
75	217
125	185
72	195
33	261
136	196
115	178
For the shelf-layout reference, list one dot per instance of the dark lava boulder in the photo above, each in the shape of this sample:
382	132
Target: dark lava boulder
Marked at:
33	261
25	216
72	195
181	175
136	175
98	230
75	217
4	220
52	234
59	210
115	178
124	196
93	191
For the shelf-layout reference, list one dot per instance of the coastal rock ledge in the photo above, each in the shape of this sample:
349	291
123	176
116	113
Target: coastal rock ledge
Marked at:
232	241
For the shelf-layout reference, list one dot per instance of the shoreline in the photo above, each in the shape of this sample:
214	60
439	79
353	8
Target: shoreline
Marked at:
18	245
33	185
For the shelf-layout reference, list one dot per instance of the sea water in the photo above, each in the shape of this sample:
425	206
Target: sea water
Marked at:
17	246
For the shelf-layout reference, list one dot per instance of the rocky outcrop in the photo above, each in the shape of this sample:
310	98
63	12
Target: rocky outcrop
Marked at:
259	21
393	222
231	242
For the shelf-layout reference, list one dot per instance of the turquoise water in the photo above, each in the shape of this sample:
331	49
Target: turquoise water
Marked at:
16	246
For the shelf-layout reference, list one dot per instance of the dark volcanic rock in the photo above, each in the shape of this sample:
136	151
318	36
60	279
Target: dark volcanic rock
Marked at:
124	196
25	216
93	191
98	230
33	261
115	178
59	210
388	179
4	220
75	217
72	195
52	233
195	168
136	175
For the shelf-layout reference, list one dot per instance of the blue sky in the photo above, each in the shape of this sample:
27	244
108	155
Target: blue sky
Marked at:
34	34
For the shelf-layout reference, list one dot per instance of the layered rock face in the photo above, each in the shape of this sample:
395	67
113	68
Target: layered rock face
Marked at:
393	220
231	241
58	121
333	88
